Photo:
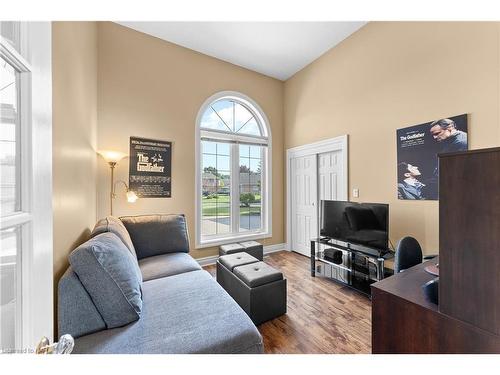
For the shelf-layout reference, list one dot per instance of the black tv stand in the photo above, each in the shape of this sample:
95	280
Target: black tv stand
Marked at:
359	267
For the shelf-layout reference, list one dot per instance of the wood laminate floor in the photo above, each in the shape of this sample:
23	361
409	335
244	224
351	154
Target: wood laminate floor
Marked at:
322	317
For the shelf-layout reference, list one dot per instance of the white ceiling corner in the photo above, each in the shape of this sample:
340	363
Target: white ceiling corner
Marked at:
275	49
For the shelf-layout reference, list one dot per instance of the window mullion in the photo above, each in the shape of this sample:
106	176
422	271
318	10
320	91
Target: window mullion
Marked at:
235	189
264	208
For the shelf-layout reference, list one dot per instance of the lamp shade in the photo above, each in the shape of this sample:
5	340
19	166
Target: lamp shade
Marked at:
112	156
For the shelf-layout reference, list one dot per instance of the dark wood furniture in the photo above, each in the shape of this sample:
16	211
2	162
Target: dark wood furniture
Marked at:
469	237
403	321
468	317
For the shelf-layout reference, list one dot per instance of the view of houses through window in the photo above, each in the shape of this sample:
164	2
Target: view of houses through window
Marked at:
216	187
233	155
250	187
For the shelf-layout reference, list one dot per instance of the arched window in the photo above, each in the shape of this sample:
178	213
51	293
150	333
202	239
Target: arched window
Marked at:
233	171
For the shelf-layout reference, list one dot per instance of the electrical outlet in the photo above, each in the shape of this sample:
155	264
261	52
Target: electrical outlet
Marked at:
355	193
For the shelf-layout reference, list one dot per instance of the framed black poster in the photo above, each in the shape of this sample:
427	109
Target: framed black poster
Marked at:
418	147
150	168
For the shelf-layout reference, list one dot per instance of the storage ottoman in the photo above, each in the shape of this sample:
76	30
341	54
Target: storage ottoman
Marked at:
251	247
258	288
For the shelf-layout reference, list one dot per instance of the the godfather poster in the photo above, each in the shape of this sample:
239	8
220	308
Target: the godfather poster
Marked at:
150	168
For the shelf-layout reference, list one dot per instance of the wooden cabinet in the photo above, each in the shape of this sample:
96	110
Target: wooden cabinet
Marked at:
404	322
467	319
469	237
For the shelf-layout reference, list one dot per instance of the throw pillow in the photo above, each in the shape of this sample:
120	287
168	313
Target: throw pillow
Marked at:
111	276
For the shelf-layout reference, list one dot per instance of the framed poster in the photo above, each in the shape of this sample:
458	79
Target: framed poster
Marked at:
417	149
150	168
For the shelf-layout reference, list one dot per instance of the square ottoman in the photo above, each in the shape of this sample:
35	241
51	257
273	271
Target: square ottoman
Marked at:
225	266
251	247
258	288
231	248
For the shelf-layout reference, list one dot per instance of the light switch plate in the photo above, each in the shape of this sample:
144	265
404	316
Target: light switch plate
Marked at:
355	193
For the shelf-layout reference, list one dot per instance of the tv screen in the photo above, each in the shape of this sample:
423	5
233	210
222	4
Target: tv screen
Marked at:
363	224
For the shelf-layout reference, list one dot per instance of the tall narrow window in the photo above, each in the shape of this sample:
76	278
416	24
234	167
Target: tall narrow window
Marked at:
233	181
15	212
250	187
216	188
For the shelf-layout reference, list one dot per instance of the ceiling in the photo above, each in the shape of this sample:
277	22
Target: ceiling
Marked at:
276	49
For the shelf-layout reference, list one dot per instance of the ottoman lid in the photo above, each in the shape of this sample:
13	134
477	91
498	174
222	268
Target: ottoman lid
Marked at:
231	261
231	248
250	244
257	274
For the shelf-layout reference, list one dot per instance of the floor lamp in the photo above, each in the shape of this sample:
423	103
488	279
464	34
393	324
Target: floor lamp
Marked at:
112	158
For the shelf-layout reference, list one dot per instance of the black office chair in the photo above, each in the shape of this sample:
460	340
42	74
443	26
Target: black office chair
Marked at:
408	254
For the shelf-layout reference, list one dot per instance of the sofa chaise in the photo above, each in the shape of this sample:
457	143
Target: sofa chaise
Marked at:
133	288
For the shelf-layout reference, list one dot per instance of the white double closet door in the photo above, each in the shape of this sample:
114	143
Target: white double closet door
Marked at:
313	177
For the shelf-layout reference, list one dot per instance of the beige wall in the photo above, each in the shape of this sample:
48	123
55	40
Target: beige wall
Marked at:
391	75
151	88
383	77
74	80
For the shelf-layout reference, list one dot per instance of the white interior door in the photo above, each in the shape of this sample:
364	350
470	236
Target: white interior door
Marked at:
314	177
331	176
315	171
304	202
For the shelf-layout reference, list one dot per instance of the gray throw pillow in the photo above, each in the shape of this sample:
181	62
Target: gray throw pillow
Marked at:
111	276
157	234
114	225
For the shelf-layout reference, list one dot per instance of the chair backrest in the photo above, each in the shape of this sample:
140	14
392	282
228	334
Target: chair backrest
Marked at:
408	254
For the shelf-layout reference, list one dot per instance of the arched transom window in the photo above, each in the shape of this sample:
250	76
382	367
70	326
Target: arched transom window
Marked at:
232	171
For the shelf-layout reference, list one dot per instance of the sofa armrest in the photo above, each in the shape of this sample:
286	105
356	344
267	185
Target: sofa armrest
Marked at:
76	313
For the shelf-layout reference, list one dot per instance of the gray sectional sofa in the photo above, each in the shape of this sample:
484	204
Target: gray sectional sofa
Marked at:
134	288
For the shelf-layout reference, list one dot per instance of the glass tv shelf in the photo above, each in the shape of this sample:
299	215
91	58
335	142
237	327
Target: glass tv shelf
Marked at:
355	268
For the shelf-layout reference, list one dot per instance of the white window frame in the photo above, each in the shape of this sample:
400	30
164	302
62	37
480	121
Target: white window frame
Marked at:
266	181
22	219
35	257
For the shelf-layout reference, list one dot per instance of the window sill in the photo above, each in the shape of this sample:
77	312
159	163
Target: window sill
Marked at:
232	239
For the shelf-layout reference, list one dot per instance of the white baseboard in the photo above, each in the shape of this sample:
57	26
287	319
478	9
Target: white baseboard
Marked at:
274	248
267	250
206	261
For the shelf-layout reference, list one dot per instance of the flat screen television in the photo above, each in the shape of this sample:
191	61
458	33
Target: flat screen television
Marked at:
364	225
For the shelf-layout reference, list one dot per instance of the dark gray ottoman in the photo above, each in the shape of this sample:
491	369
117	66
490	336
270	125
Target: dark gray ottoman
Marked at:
225	266
258	288
251	247
231	248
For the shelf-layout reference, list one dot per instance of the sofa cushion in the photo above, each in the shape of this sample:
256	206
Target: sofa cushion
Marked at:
111	276
157	234
185	313
167	265
114	225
